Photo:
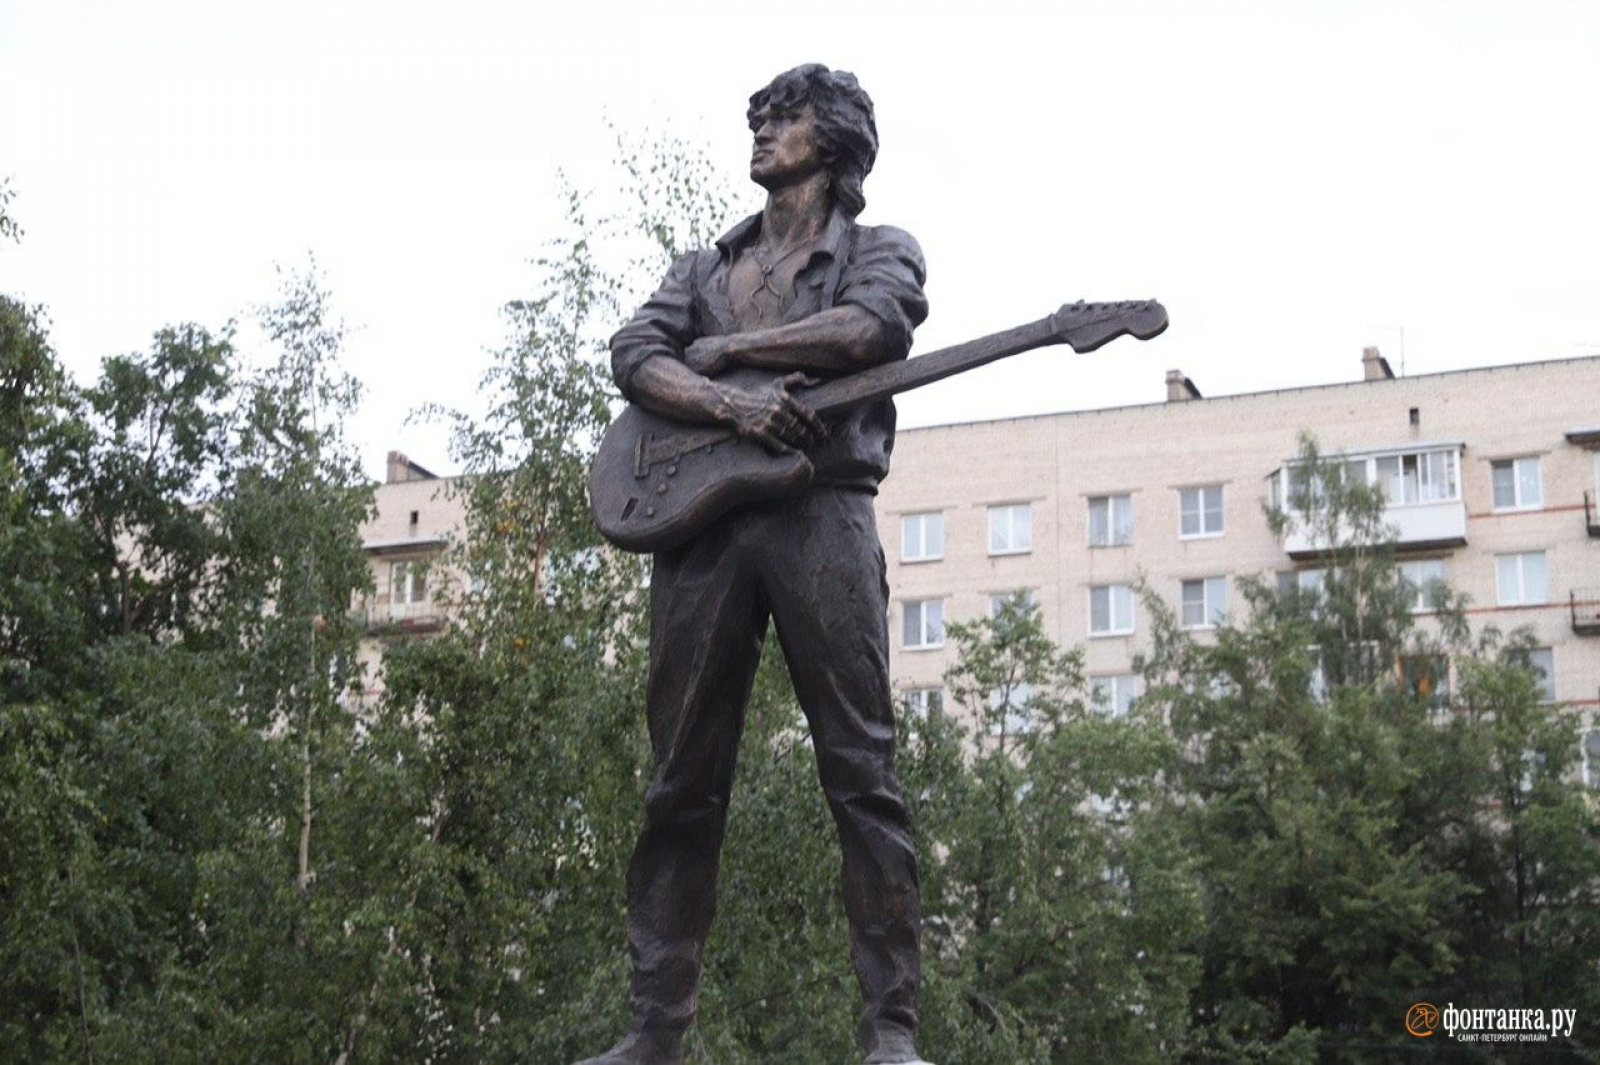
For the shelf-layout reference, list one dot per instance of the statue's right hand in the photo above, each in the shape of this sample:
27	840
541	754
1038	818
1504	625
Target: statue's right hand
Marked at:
775	418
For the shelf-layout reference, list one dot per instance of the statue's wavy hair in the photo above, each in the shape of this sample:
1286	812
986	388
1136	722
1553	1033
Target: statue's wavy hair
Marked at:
845	125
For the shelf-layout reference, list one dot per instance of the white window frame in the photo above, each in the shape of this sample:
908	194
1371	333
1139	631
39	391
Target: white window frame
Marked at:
1427	481
1437	480
1200	512
918	702
1112	597
1305	580
1114	693
1008	512
1522	594
1112	503
920	521
1211	613
999	599
1018	716
1543	661
924	629
1411	572
1591	759
412	576
1519	499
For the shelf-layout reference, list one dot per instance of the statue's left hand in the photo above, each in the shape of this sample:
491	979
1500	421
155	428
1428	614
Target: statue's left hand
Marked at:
708	356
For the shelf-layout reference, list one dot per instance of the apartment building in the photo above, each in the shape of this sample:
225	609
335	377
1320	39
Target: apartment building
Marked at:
1492	476
416	514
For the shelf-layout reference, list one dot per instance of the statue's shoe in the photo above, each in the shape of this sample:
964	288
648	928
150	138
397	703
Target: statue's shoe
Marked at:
643	1046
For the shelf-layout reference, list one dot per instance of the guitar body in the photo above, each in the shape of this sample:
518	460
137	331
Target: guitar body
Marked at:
656	482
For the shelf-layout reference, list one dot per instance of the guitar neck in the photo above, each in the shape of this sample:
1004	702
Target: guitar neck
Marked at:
882	381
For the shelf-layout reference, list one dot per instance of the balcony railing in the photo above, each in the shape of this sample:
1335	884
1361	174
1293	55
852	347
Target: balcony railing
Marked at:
404	617
1586	611
1591	514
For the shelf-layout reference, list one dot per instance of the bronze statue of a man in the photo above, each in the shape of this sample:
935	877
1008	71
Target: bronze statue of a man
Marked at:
797	291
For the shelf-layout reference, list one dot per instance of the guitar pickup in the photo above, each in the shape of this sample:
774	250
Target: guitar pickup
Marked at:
641	462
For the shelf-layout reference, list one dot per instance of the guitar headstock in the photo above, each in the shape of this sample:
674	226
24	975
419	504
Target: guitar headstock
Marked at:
1087	326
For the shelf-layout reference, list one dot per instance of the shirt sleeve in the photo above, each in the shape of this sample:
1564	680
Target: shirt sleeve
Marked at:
665	325
885	278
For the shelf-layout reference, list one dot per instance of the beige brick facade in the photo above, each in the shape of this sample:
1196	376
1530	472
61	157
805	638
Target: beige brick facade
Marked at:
416	516
1058	463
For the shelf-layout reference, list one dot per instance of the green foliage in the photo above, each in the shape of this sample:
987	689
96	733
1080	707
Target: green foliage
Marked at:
9	229
180	554
1359	848
1056	896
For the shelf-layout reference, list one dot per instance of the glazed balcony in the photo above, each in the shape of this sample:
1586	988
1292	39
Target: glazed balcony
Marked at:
1421	483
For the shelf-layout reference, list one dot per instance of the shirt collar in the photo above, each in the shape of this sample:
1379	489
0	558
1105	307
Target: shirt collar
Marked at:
830	243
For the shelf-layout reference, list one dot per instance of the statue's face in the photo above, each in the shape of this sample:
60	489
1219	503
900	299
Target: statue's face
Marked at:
786	149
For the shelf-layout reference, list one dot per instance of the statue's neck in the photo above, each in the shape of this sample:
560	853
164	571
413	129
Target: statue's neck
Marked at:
797	212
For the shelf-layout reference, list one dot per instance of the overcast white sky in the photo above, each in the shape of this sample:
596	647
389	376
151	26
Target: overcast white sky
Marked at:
1293	180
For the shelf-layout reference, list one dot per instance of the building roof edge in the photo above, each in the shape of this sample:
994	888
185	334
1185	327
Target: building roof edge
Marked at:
1209	400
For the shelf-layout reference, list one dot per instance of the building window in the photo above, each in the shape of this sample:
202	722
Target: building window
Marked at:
1424	578
1110	521
922	703
923	623
1302	581
1110	610
1113	693
1200	511
1402	477
1591	758
1022	599
1317	683
1427	678
1418	477
1516	484
922	536
1533	767
1543	662
1204	603
1521	578
1011	529
408	582
1011	707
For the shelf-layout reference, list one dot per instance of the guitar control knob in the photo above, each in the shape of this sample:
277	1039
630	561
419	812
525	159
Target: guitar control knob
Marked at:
672	471
649	512
661	489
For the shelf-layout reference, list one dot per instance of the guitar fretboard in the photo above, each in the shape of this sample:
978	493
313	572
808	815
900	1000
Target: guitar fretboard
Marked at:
891	378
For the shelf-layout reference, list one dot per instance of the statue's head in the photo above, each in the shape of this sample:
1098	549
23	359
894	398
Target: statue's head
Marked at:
812	116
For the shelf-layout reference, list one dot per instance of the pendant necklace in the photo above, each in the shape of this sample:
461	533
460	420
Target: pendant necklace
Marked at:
766	284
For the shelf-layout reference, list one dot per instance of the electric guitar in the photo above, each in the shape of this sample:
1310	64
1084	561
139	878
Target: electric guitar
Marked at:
656	482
